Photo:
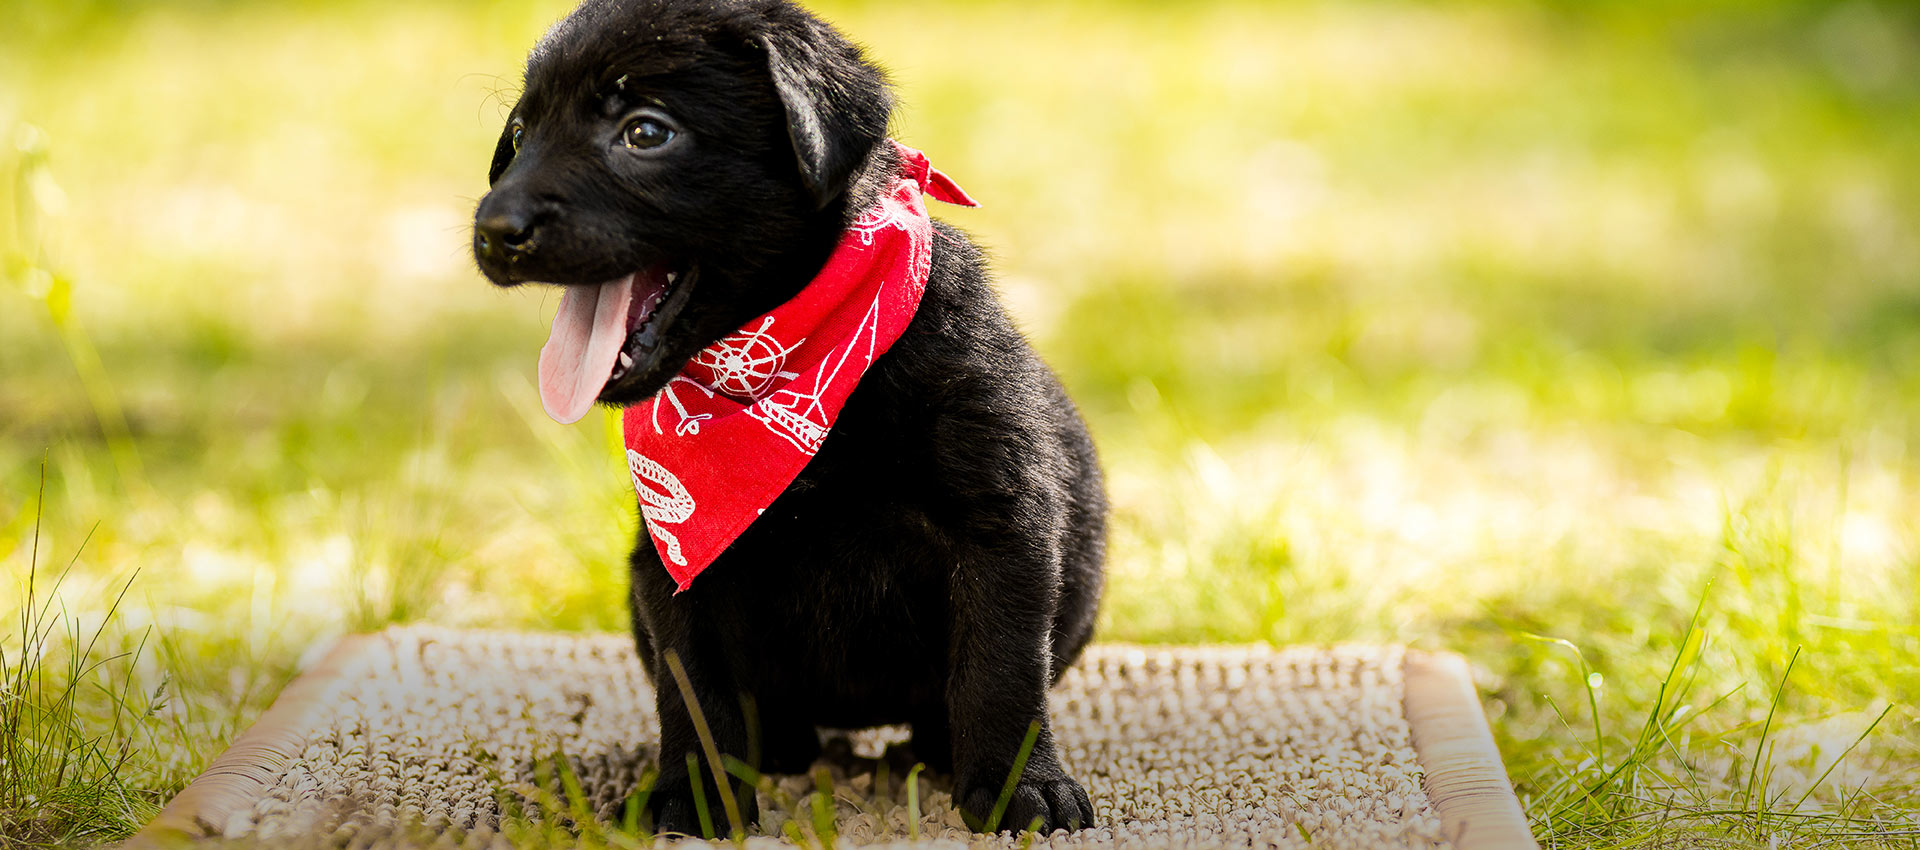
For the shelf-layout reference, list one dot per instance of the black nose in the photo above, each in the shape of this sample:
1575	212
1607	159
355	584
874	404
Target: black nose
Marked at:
504	237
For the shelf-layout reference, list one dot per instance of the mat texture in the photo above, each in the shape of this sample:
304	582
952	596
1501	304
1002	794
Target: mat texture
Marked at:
422	735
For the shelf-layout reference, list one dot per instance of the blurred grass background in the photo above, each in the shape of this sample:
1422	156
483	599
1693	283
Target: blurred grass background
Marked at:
1521	329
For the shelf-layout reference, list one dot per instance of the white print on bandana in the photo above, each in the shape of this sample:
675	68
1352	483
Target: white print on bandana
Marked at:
799	417
663	499
746	364
876	219
689	422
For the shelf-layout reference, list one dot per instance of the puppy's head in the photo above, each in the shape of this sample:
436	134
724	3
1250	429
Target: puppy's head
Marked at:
679	166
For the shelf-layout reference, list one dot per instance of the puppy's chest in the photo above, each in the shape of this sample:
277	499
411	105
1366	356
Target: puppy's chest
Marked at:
858	530
821	593
864	532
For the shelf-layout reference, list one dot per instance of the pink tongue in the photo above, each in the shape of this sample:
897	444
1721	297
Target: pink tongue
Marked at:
588	333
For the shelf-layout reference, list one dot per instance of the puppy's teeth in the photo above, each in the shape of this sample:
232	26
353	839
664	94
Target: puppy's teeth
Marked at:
626	361
671	277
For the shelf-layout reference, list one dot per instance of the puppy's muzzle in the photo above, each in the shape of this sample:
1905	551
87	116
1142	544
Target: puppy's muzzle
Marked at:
505	237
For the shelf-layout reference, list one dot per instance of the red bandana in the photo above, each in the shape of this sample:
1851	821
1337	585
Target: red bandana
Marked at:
726	436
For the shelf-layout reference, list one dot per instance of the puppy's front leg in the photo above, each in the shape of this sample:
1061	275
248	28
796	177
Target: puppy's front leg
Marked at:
673	803
999	666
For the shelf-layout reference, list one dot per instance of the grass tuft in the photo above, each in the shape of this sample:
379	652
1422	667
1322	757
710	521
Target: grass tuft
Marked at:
1671	784
73	720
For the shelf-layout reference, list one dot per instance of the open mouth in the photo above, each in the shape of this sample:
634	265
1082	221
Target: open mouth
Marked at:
605	333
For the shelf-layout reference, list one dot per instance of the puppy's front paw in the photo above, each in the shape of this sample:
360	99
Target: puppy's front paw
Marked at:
1058	803
676	811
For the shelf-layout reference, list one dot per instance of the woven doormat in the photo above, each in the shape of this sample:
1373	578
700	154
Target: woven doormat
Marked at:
423	736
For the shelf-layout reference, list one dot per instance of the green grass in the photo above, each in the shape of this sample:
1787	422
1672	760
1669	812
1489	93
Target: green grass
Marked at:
1581	339
73	713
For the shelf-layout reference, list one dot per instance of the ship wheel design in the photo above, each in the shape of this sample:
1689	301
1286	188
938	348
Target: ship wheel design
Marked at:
746	364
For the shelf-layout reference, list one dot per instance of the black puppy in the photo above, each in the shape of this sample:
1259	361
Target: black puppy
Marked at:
938	561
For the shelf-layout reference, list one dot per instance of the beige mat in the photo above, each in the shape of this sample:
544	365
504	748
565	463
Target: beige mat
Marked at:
1177	747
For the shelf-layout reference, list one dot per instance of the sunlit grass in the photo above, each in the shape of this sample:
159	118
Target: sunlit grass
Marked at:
1467	326
75	723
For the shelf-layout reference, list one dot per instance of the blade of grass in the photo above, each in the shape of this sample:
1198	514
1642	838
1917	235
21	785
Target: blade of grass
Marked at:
699	796
1843	757
1593	699
576	801
1754	776
791	829
758	782
992	823
1690	647
913	802
823	808
1030	833
742	771
637	802
712	749
750	714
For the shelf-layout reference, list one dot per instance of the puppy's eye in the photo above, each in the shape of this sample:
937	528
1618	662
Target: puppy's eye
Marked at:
519	130
647	133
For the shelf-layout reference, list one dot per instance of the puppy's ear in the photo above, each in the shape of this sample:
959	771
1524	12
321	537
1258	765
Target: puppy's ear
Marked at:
837	104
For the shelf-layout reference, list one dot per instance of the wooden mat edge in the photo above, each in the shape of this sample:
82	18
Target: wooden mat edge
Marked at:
236	778
1465	778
